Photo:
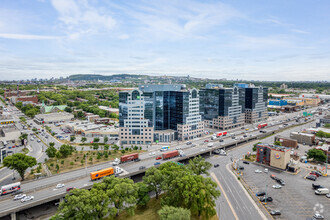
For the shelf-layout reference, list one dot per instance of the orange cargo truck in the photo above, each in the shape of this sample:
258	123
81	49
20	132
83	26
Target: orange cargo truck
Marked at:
101	173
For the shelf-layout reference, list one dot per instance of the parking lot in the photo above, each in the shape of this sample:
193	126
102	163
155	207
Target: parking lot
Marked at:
295	200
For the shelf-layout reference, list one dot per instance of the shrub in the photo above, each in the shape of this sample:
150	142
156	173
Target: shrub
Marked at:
51	164
72	163
122	151
62	162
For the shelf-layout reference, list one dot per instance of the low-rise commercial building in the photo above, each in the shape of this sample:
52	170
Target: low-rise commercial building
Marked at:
287	142
303	138
272	155
9	135
30	99
53	118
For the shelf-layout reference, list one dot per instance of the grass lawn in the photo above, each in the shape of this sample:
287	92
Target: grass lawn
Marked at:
75	161
150	212
25	151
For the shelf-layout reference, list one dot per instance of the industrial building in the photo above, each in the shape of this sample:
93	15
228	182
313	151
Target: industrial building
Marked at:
272	155
303	138
52	118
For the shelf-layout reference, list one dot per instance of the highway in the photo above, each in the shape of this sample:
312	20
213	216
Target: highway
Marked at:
45	188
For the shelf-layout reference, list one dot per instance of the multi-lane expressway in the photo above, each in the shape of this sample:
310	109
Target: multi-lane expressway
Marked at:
44	190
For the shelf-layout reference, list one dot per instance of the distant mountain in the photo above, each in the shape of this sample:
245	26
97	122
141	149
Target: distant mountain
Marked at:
90	77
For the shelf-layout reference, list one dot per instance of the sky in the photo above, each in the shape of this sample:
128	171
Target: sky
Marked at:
251	40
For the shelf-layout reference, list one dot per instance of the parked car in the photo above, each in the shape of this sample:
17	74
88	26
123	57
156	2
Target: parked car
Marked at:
206	141
311	177
318	216
27	198
189	142
316	186
142	167
216	165
19	196
60	185
157	163
280	182
260	193
246	162
275	212
317	173
241	167
266	199
277	186
258	171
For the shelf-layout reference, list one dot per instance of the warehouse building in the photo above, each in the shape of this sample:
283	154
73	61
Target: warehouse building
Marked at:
53	118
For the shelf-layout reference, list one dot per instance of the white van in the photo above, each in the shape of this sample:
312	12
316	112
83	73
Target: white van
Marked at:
321	191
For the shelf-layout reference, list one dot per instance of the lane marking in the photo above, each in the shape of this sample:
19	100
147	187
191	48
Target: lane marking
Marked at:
224	193
5	177
247	194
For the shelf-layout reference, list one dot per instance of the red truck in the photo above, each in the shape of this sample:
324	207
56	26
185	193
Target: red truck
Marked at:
129	157
222	134
170	154
262	125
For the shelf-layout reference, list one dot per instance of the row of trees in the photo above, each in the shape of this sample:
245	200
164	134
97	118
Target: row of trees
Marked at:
64	151
185	191
29	109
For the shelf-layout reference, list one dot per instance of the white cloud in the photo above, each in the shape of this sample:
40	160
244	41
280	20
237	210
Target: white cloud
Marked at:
123	36
300	31
28	37
79	17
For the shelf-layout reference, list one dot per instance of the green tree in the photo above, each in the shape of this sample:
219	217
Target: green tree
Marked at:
322	134
51	152
96	140
51	144
68	109
105	139
34	129
72	138
154	179
327	125
317	155
193	192
199	166
278	143
19	162
122	193
106	147
143	194
254	148
173	213
66	150
85	204
83	139
23	136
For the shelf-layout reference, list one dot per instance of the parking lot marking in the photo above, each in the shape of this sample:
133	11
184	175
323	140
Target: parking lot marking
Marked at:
224	193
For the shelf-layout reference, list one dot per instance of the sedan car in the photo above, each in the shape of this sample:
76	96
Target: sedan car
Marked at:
216	165
27	198
206	141
158	158
189	142
258	171
60	185
246	162
310	177
266	170
275	212
266	199
157	163
221	140
260	193
19	196
142	167
318	216
277	186
70	188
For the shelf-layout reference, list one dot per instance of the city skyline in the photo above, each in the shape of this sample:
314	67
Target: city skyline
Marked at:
210	39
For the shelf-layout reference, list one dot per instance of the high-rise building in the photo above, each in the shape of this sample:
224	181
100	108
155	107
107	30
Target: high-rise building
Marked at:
171	111
222	108
256	104
134	128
